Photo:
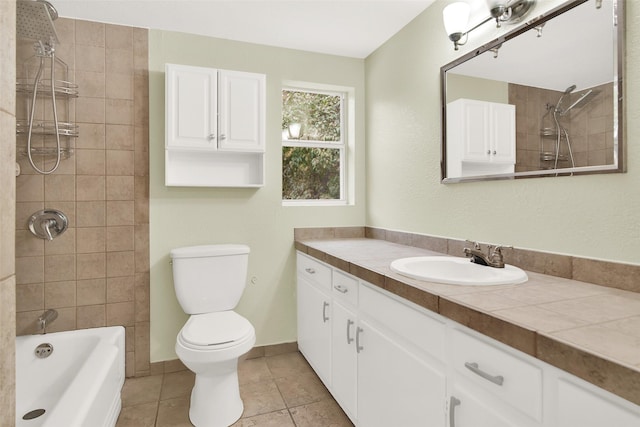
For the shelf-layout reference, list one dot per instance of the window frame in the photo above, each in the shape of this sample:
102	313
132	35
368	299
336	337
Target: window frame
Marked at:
342	145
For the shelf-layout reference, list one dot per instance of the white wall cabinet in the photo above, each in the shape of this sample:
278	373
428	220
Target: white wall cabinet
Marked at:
390	363
481	137
215	121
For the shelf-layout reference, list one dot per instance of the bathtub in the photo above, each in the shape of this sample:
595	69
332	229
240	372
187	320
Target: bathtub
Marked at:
78	384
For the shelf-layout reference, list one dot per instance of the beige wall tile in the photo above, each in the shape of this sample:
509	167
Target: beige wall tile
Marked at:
91	240
90	316
142	292
64	243
90	188
90	34
119	86
66	320
92	84
120	212
59	267
7	346
60	294
120	239
120	313
92	135
30	297
27	244
142	346
29	188
120	289
24	210
91	266
91	291
120	264
120	137
141	208
119	37
120	188
26	322
120	162
91	214
59	188
30	269
119	60
90	162
119	112
90	110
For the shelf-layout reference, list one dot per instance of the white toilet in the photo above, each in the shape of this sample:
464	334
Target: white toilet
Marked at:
209	281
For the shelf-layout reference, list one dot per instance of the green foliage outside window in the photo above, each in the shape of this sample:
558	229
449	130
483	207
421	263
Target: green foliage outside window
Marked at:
311	173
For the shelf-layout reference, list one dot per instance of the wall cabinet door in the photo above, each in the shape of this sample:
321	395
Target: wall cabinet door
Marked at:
241	111
502	119
191	107
314	328
344	361
396	387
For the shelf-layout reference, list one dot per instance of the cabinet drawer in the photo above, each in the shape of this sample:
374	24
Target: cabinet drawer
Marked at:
421	330
345	287
314	271
512	379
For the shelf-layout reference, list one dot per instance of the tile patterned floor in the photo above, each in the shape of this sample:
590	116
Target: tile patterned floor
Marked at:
278	391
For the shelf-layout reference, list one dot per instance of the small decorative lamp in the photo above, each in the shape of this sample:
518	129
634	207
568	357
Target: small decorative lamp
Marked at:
456	18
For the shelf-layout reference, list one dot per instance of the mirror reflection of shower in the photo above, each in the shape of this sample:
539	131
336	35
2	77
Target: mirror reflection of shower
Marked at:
34	22
555	142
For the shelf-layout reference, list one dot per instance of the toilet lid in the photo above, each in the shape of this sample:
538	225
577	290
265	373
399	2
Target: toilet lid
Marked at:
216	328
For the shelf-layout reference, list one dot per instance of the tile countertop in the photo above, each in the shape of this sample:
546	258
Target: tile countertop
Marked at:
588	330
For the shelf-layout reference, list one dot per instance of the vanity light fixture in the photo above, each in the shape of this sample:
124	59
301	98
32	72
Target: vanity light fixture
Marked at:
456	17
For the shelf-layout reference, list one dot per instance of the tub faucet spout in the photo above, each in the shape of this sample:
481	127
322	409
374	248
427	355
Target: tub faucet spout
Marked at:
46	318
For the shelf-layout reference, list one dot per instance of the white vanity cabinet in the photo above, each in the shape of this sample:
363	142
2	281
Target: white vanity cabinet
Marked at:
215	122
314	315
481	137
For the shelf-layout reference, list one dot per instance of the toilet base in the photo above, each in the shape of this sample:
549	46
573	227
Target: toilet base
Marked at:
215	400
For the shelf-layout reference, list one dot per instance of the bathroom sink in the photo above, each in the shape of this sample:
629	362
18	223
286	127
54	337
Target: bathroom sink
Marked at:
457	271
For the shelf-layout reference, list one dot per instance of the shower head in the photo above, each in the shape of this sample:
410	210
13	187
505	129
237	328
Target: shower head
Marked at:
570	89
582	100
34	21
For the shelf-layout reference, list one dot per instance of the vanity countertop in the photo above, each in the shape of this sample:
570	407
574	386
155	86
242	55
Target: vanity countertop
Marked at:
588	330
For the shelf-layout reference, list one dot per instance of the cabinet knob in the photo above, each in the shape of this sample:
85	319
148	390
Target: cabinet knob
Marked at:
223	137
211	137
494	152
488	151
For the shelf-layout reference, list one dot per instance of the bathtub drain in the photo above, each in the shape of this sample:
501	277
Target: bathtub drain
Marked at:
33	414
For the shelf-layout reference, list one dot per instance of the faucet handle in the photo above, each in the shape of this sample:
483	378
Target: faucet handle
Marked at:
475	244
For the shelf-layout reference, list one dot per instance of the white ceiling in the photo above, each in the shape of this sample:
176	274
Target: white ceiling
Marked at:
353	28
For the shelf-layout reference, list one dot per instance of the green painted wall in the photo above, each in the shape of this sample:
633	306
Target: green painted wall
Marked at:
191	216
594	216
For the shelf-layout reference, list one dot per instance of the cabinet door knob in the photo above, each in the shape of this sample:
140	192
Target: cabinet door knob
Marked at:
223	136
211	137
473	367
349	323
310	270
494	152
488	151
453	402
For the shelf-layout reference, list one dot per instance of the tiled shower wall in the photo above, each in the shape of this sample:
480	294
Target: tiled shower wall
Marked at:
97	272
590	127
7	212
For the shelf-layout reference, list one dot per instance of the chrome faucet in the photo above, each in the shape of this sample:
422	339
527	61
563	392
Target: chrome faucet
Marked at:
46	318
493	258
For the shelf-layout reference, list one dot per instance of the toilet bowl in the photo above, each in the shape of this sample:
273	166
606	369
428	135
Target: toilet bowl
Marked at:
209	345
209	281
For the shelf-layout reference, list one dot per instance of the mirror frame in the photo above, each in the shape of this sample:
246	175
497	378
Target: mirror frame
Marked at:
619	10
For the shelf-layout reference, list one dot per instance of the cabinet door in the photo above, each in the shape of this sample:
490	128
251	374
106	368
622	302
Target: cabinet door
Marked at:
465	410
314	328
475	119
503	132
579	406
344	362
191	107
396	387
241	111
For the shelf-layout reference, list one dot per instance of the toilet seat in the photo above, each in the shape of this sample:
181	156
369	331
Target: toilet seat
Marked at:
215	331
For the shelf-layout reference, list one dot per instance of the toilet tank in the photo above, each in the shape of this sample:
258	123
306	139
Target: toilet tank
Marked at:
209	278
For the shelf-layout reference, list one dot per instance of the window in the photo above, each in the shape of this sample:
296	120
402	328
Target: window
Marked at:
313	146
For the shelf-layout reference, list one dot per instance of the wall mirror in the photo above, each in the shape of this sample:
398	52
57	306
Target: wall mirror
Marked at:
543	100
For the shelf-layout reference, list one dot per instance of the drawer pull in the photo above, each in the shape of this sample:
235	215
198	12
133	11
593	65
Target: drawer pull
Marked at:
359	348
473	367
324	312
310	270
341	289
453	402
349	323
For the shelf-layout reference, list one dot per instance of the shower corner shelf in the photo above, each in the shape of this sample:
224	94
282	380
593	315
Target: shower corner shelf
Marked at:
47	128
65	152
62	88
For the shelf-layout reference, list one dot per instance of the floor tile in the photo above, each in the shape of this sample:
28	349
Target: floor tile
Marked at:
141	390
143	415
261	398
173	413
288	365
273	419
302	389
325	413
177	384
253	370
